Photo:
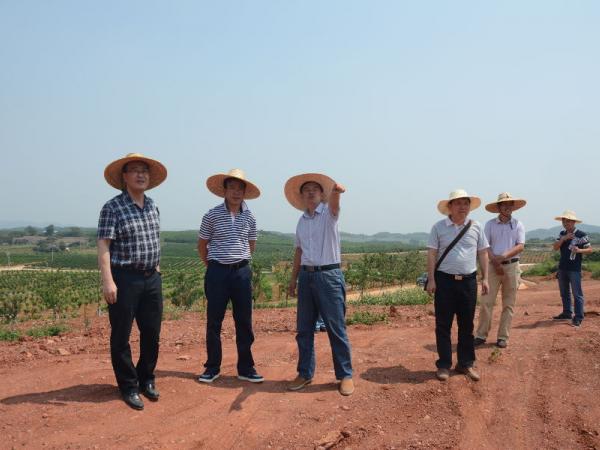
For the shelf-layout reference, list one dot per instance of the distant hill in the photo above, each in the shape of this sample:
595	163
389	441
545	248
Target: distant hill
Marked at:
545	233
414	239
382	239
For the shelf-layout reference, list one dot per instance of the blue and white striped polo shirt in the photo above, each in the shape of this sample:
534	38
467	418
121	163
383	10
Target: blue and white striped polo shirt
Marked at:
228	237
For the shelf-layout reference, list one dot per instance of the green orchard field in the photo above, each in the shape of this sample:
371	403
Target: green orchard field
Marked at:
56	285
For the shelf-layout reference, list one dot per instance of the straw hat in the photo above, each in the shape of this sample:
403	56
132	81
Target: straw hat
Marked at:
569	215
114	171
505	197
459	193
215	184
293	185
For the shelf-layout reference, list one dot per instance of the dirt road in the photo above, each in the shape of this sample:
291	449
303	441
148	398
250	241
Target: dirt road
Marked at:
540	392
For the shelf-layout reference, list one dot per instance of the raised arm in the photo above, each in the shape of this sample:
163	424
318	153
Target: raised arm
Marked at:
334	199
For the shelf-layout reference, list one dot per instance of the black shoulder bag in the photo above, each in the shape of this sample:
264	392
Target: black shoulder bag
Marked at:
452	244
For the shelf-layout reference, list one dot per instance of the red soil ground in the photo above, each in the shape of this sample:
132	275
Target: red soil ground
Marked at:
540	392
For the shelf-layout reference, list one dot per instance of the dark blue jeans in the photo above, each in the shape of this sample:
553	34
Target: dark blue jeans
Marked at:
323	292
222	284
572	279
454	297
139	297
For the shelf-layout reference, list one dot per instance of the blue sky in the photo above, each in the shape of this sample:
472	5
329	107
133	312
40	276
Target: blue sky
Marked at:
401	102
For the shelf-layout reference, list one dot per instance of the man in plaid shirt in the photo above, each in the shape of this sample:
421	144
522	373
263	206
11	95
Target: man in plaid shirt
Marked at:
128	257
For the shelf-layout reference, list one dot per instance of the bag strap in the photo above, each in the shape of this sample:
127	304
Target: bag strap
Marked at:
452	244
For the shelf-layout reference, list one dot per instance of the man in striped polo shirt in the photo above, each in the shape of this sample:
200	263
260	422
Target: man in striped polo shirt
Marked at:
226	241
128	257
318	276
454	281
506	236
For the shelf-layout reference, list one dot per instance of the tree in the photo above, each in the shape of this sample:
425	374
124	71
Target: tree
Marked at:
30	231
73	231
282	275
49	230
257	280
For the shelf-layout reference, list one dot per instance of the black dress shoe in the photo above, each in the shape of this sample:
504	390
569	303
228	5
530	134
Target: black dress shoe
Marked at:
133	400
150	392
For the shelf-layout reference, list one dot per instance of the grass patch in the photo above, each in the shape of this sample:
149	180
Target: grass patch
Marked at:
48	330
275	305
366	318
542	269
9	335
415	296
495	355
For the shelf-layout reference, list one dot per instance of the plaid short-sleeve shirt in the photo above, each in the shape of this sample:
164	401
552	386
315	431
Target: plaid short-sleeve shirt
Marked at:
134	232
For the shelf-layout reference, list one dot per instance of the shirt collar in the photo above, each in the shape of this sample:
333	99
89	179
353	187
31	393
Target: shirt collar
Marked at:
512	221
449	223
128	199
318	210
244	207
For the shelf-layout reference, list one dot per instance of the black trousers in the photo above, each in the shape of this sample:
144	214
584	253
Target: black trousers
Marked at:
221	284
455	297
139	297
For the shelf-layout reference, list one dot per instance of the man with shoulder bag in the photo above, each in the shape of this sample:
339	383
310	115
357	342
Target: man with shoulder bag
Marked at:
455	244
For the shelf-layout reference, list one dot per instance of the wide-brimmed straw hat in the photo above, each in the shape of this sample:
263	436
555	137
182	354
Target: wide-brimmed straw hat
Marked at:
505	197
114	171
569	215
215	184
293	185
459	193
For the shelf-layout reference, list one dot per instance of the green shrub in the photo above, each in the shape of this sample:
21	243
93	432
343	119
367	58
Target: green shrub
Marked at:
596	274
366	318
9	335
542	269
48	330
414	296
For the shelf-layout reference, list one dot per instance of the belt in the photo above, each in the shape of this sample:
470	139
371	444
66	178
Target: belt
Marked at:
456	277
235	266
510	261
145	272
320	268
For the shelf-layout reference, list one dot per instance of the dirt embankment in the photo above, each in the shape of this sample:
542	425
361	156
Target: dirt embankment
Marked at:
540	392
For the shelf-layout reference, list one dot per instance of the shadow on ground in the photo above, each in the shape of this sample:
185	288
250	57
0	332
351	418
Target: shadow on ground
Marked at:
92	393
396	375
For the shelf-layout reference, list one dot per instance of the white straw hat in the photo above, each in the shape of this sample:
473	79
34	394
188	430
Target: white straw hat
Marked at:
216	186
505	197
113	173
569	215
458	193
293	185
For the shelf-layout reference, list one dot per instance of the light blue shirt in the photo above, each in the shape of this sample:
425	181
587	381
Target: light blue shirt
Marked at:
504	236
462	259
318	238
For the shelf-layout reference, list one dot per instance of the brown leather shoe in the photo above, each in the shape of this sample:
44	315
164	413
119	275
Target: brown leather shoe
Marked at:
469	372
298	383
442	374
346	386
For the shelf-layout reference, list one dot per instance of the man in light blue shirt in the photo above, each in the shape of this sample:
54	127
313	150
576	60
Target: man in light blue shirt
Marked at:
454	280
318	276
506	236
